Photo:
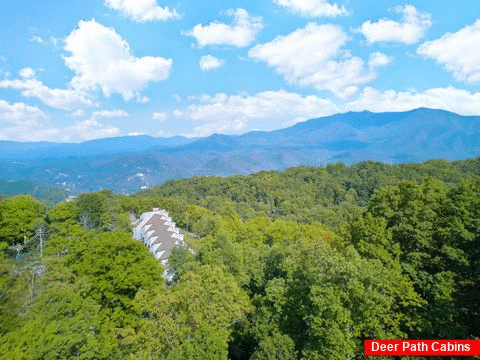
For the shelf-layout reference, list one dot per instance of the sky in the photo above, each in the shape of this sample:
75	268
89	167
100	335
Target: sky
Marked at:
72	71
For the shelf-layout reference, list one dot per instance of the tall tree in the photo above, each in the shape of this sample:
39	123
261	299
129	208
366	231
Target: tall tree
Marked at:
194	318
92	211
19	215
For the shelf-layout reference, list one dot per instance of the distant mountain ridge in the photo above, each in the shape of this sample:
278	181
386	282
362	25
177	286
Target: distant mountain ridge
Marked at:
127	164
112	145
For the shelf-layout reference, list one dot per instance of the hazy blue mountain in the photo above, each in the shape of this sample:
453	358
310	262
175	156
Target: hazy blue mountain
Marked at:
112	145
126	164
21	150
215	142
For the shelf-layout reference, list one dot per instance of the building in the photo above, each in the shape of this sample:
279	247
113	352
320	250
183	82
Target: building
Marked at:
157	231
71	198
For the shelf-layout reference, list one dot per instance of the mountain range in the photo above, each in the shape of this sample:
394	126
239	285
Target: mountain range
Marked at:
130	163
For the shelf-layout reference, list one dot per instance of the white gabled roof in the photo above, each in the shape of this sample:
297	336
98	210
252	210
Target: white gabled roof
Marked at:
151	241
155	247
159	234
159	254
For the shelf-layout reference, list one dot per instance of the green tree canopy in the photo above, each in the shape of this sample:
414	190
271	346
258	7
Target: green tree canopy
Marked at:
19	215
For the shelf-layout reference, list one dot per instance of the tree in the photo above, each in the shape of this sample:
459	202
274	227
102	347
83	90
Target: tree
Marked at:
414	226
8	313
61	325
457	232
92	211
19	215
330	301
205	343
275	346
116	266
194	318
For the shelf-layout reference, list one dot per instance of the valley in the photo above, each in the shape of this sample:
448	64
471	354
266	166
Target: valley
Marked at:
115	163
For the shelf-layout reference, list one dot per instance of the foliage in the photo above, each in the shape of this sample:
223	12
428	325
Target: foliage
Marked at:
19	216
49	195
300	264
115	267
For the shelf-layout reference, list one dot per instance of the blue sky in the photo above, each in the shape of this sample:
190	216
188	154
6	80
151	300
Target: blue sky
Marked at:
80	70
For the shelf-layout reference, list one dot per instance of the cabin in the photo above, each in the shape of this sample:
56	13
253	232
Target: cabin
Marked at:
158	232
71	198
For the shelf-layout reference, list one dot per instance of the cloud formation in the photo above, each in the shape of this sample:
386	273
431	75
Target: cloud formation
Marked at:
313	56
457	52
270	110
20	114
18	119
313	8
408	31
27	73
240	33
142	10
378	59
58	98
82	130
210	62
101	58
449	98
37	39
159	116
234	114
109	113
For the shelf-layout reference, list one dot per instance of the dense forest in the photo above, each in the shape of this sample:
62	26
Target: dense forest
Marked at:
49	195
301	264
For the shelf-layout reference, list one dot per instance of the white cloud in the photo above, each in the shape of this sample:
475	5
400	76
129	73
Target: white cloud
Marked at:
109	113
27	73
224	113
269	110
57	98
3	59
451	99
86	130
37	39
136	134
23	122
177	98
160	116
163	133
18	120
54	41
20	114
457	52
101	58
235	114
81	131
241	33
210	62
378	59
348	92
408	31
313	8
313	56
78	113
142	10
177	113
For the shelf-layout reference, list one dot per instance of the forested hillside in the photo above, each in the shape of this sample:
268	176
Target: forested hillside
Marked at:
300	264
49	195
